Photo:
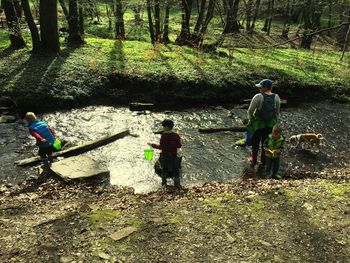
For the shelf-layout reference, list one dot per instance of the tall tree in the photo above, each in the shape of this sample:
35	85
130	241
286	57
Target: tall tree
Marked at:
255	16
201	5
307	15
81	19
48	25
157	20
249	11
36	42
74	36
150	21
231	25
64	9
119	19
197	37
185	38
13	24
166	39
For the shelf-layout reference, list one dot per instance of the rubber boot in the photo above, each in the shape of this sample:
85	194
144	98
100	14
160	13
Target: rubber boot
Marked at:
50	157
46	166
254	158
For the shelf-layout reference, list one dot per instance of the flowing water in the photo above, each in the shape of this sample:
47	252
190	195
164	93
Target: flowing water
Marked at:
206	157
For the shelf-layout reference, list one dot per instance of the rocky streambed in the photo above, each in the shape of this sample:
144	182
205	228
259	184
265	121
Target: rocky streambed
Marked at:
206	157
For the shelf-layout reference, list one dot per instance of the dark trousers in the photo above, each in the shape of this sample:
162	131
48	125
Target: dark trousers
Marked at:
258	138
272	164
46	155
170	165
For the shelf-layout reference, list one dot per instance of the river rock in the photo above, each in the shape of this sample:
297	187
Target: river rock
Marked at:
78	167
7	118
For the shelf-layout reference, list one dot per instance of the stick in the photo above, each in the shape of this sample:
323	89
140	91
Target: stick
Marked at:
212	130
76	150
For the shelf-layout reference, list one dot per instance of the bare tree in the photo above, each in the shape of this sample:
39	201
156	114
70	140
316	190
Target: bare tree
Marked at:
185	37
231	25
74	36
48	25
32	26
13	24
119	20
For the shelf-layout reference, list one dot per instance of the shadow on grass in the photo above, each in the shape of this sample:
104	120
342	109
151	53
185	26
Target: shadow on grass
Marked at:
196	67
117	56
6	52
34	82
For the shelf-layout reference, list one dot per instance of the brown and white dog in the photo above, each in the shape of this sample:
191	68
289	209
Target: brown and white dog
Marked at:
313	140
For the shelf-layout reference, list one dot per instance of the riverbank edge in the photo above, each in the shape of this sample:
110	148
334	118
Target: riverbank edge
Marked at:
169	93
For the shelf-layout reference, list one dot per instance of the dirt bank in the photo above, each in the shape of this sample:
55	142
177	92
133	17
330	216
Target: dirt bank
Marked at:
303	219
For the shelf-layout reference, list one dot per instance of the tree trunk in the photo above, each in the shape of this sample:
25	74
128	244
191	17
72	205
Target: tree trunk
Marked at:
232	25
249	9
255	16
166	39
81	20
13	24
119	25
64	9
184	37
208	18
200	17
306	40
48	25
267	18
137	14
330	14
345	43
74	36
18	8
32	26
157	20
295	12
150	21
270	18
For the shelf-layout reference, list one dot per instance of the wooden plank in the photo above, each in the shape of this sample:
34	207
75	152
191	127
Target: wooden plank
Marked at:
220	129
87	146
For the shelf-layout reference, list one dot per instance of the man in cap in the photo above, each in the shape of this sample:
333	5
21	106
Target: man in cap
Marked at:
263	113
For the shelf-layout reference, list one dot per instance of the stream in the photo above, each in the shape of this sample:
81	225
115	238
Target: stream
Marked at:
206	157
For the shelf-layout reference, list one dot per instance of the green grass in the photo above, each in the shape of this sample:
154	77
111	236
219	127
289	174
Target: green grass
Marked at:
104	67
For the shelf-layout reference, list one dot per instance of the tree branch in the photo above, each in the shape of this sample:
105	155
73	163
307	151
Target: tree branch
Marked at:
310	34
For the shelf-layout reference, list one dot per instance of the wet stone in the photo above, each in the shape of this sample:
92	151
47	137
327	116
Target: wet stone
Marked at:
7	119
78	167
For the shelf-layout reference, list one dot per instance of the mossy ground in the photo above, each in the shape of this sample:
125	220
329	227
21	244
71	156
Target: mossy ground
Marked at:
247	221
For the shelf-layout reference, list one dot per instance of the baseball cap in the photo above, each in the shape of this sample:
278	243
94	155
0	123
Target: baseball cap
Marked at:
264	83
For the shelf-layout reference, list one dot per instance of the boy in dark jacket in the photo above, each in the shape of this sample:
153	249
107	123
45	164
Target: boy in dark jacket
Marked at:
44	137
272	147
169	143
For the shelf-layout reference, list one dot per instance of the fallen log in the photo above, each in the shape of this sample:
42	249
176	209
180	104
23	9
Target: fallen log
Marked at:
249	100
245	104
139	106
220	129
87	146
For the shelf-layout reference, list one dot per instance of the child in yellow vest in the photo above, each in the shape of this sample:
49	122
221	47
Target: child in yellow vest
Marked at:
272	147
